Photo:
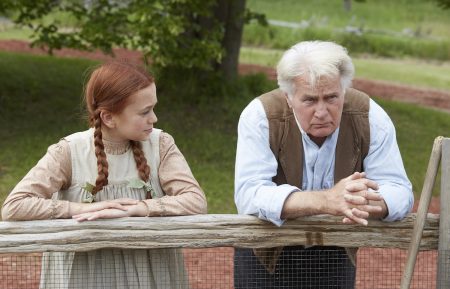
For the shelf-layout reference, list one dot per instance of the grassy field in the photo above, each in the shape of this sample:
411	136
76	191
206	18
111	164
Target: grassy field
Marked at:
384	28
381	15
40	96
40	103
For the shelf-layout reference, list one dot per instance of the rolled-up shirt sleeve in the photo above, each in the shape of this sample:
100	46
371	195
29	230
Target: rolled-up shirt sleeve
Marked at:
255	192
384	165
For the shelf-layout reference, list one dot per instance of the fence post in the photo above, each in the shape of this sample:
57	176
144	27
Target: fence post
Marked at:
443	272
424	203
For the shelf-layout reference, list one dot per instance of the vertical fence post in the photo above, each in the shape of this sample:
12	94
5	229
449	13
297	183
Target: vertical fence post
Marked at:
424	203
443	272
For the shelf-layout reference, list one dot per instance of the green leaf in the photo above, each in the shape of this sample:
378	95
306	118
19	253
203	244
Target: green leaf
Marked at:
136	184
88	187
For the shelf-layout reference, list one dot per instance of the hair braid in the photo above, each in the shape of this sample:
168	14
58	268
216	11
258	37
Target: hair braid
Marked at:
141	161
102	163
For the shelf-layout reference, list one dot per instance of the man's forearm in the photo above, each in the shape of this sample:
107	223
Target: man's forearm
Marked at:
300	204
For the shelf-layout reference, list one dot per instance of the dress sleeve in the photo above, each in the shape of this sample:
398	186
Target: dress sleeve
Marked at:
31	199
183	195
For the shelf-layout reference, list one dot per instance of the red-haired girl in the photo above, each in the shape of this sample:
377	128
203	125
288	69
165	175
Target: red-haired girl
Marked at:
122	166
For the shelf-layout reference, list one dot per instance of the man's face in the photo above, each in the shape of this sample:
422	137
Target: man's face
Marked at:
319	108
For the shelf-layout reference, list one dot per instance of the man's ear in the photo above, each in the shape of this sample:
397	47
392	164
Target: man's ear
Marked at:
107	119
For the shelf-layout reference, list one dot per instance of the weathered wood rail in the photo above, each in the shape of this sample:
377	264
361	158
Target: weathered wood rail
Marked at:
208	231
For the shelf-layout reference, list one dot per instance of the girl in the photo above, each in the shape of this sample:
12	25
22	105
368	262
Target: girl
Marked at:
122	166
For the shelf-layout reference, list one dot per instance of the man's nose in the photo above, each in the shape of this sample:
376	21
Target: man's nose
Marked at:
321	110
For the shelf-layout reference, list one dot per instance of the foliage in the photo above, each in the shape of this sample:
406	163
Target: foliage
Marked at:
169	31
444	4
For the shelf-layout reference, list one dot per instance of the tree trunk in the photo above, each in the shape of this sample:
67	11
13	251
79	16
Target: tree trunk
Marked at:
231	14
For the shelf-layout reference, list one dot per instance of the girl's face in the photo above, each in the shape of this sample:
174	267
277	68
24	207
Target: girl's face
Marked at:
136	121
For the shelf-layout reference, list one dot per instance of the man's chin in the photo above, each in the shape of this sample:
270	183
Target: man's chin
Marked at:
322	132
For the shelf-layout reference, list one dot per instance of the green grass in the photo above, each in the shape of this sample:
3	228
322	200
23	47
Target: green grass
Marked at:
418	15
382	23
40	103
16	33
416	129
429	74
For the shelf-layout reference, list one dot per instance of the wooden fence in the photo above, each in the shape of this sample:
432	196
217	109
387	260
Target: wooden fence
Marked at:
203	231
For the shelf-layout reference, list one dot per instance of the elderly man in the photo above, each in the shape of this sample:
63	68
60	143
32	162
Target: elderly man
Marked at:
314	146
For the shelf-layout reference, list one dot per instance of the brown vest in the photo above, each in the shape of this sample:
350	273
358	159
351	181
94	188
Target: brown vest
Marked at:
287	146
286	142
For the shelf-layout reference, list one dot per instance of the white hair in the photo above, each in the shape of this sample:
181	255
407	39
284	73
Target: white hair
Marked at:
312	60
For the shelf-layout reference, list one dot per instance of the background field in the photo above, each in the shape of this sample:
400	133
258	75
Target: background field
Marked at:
40	96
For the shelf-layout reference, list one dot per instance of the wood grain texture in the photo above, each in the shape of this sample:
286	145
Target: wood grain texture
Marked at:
202	231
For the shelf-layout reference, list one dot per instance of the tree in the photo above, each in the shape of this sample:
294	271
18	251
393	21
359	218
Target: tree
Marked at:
201	34
444	4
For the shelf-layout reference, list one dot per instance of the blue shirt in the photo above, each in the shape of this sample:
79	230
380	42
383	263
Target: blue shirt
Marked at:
256	193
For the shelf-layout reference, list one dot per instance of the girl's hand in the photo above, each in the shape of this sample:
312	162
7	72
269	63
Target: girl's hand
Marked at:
129	208
118	204
102	214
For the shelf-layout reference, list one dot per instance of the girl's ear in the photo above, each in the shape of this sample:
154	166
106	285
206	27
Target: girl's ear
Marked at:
107	119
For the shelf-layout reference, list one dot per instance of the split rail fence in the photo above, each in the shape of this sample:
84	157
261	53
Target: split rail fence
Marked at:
207	243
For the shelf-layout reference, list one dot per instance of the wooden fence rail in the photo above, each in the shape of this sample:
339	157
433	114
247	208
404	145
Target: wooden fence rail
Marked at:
203	231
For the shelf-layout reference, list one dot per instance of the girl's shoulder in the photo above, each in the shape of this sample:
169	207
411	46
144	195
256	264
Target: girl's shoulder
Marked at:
160	138
80	136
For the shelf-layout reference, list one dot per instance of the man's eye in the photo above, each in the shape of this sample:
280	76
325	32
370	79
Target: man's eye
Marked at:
332	97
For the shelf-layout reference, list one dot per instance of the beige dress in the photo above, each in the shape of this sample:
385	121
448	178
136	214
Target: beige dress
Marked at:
112	268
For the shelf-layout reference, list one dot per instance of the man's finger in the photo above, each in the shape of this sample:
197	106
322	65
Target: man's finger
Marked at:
371	208
373	196
356	199
348	221
360	214
349	214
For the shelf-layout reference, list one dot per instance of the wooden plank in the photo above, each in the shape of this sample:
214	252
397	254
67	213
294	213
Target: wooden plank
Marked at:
424	203
443	273
208	231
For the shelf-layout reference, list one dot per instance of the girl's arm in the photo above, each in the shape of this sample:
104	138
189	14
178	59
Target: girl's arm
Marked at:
31	198
183	193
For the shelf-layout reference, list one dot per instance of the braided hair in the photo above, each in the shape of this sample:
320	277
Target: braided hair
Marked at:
108	88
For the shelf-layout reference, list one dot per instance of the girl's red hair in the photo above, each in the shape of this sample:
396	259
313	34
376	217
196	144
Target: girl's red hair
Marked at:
109	87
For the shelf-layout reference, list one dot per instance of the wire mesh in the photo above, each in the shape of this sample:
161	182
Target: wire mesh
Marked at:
443	277
222	268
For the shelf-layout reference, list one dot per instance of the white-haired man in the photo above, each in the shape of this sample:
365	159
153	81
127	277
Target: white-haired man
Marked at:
314	146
